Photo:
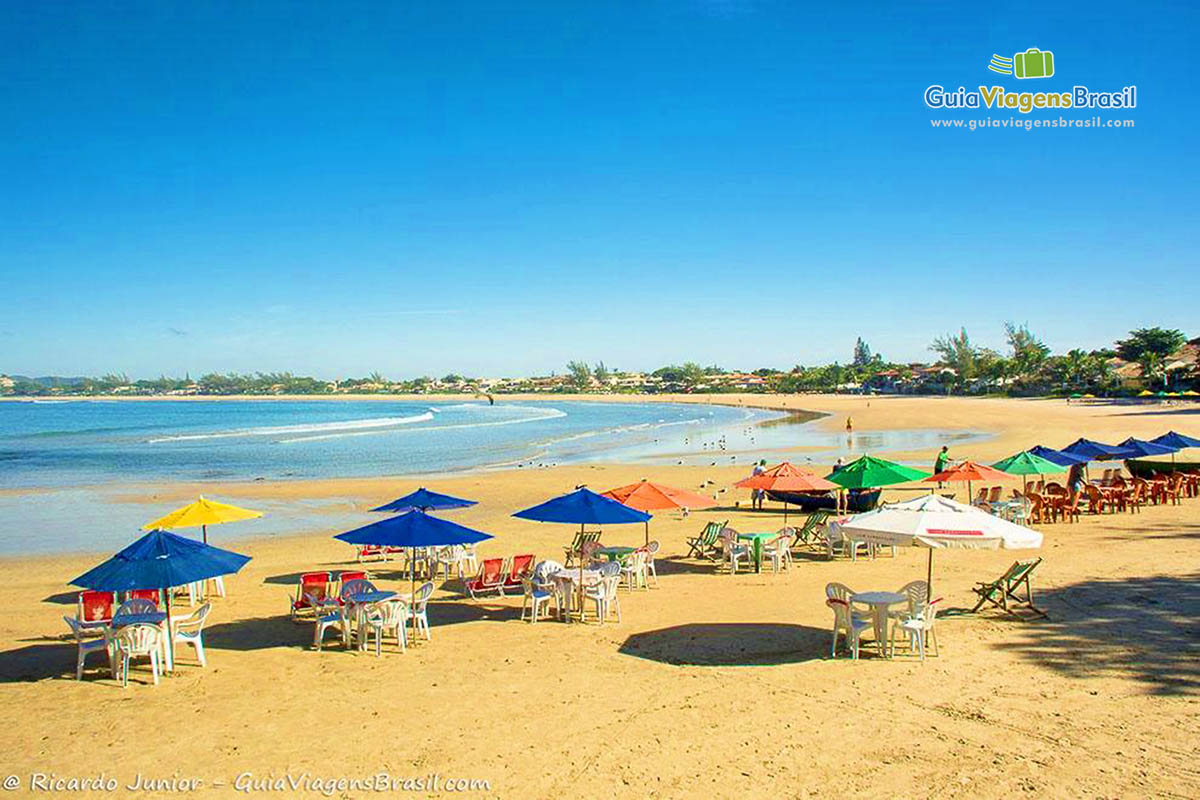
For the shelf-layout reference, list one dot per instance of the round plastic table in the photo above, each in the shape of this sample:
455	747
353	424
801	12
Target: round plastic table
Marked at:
756	540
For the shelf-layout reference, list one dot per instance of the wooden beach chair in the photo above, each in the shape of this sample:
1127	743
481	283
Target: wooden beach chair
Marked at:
704	545
1012	592
808	533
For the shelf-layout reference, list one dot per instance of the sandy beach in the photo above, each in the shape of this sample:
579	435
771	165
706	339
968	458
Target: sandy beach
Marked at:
711	684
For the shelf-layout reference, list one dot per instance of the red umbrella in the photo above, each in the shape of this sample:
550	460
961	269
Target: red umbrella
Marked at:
786	477
647	496
966	472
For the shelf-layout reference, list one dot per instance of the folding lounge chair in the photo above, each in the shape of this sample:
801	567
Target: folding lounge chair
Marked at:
1011	592
312	593
521	568
581	538
807	534
489	579
706	545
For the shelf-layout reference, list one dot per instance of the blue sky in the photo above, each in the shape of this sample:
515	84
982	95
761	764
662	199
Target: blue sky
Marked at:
496	188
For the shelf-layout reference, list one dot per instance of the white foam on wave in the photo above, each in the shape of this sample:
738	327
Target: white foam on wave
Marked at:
370	425
551	413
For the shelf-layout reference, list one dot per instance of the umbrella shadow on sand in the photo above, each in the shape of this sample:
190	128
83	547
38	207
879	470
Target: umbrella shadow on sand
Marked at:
44	657
1146	629
730	644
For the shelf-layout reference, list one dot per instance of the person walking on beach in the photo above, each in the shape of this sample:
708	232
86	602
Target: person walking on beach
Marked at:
939	463
849	425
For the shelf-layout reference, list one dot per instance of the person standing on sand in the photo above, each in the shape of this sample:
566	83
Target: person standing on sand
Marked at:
939	463
849	425
758	495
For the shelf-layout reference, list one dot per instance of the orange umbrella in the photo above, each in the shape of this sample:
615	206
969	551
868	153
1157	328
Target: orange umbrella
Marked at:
647	496
786	477
966	472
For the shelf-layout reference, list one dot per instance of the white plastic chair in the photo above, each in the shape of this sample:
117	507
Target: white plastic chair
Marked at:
389	616
779	551
846	621
539	592
919	628
137	605
449	559
87	646
634	571
603	592
138	641
651	571
420	602
732	550
331	617
190	630
470	561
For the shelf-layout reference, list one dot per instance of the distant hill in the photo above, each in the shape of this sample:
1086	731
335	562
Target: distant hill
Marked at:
50	381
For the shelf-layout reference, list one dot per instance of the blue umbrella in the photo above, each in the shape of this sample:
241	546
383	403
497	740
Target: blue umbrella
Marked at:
1176	440
413	529
424	500
1097	451
1059	457
1143	449
587	508
160	560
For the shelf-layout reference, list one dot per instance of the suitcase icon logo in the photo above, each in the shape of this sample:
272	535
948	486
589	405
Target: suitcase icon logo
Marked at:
1033	63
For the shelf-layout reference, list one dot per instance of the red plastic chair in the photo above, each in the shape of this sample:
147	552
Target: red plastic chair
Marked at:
489	579
94	609
314	590
145	594
522	567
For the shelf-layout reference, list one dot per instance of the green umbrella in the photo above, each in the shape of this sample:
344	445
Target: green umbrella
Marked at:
869	472
1027	463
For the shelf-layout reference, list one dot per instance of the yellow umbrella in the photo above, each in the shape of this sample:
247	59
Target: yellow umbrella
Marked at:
203	513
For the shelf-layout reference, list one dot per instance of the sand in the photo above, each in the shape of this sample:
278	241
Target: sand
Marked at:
711	684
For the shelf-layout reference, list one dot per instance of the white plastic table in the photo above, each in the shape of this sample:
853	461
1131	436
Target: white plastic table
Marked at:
879	602
566	579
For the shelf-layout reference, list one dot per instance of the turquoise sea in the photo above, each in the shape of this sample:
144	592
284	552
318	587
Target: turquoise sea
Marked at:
60	460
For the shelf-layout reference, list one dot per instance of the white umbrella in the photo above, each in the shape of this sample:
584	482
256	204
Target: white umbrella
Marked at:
937	522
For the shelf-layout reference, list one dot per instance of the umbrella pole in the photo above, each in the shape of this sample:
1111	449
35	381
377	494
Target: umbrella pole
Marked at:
929	573
204	533
168	660
785	513
647	544
579	590
412	589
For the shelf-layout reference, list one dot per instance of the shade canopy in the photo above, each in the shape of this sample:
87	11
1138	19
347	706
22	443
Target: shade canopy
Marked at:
1026	463
966	472
584	507
424	500
160	560
938	522
1058	456
869	472
1176	440
413	529
786	477
201	512
1143	448
647	496
1097	451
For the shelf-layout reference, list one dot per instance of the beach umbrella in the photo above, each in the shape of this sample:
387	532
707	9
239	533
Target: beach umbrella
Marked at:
937	522
1026	463
1097	451
161	560
1145	393
786	477
424	500
647	496
203	513
967	472
1142	448
1176	440
869	472
413	529
1190	393
583	507
1058	456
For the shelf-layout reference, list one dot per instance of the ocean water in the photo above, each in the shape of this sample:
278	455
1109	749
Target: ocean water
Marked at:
63	464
